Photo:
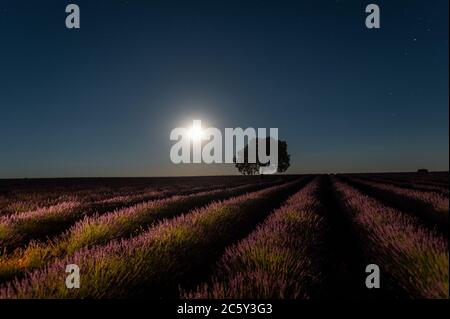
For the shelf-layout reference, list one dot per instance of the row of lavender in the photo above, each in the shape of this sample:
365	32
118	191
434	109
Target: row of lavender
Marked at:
154	263
431	178
100	229
414	259
411	184
282	258
18	196
28	199
18	229
431	207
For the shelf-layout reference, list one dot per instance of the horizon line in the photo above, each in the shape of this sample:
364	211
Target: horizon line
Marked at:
213	175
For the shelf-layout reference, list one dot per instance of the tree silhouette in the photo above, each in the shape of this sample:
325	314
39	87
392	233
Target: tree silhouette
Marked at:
247	168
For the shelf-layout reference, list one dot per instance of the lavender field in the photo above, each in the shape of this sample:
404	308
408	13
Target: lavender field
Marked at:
230	237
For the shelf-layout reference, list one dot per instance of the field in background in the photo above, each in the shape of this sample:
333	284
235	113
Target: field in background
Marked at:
284	236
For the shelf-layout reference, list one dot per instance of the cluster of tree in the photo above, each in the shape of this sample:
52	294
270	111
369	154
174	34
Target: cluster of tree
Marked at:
248	167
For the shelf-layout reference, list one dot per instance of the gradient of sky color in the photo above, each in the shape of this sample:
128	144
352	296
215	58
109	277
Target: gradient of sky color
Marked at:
102	100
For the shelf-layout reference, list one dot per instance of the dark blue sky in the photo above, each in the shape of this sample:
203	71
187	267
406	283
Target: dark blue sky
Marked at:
102	100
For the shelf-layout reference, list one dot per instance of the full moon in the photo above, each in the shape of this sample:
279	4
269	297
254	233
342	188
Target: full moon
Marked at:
196	132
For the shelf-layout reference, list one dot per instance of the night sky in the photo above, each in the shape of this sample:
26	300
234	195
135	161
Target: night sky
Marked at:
102	100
